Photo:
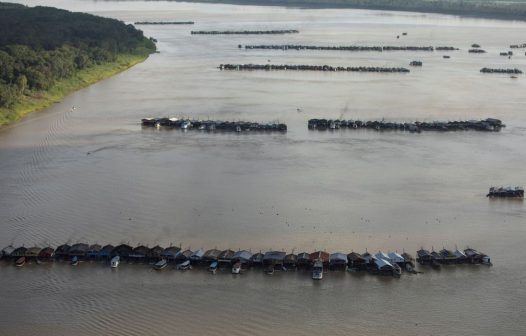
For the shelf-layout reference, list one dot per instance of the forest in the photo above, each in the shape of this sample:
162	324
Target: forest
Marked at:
41	45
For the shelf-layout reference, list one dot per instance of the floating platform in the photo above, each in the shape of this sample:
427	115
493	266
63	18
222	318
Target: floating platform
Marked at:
293	67
486	125
213	125
516	192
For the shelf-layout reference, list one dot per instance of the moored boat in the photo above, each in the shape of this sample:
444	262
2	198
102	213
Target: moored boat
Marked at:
74	261
115	261
236	268
160	264
212	268
317	270
20	262
184	266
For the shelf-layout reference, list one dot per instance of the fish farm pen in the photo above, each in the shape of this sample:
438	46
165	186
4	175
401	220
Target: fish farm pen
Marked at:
486	125
344	48
502	71
392	263
290	67
165	23
244	32
213	125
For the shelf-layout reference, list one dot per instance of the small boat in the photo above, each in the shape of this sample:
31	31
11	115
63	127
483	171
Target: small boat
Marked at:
184	266
446	56
20	262
269	270
115	261
236	269
317	270
74	261
160	264
212	268
397	270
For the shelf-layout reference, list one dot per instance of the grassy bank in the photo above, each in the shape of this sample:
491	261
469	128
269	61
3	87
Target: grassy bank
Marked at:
34	101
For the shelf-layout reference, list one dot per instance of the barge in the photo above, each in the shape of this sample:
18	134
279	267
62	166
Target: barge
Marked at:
509	192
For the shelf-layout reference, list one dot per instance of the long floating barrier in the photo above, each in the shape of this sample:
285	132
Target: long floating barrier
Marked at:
504	71
290	67
244	32
487	125
380	263
213	125
345	48
165	23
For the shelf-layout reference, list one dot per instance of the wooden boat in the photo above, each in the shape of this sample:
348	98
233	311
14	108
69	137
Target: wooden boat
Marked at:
236	269
317	270
160	264
74	261
184	266
269	269
115	261
20	262
212	268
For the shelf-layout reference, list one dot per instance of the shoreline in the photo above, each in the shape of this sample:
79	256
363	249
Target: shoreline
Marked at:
38	101
396	6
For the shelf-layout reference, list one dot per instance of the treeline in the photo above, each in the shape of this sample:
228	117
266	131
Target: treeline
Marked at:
40	45
515	10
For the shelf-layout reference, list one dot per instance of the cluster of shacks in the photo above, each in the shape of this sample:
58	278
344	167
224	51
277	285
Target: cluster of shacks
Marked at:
390	263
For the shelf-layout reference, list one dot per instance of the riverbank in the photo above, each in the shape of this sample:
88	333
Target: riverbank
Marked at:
38	100
476	8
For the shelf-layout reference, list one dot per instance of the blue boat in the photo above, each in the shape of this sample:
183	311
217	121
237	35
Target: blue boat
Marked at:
212	267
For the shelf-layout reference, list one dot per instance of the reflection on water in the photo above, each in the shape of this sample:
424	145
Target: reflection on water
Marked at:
92	174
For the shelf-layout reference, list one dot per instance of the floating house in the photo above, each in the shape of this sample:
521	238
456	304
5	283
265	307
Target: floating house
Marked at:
243	257
383	267
33	252
211	255
396	258
105	252
461	256
225	257
290	261
274	258
140	253
303	260
62	252
93	251
123	251
155	252
78	250
447	257
197	256
183	256
257	259
19	252
46	254
424	257
6	251
356	262
338	261
320	255
170	253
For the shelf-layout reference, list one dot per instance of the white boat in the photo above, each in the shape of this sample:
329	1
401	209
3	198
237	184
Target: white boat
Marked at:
184	266
317	270
160	264
213	267
115	261
236	269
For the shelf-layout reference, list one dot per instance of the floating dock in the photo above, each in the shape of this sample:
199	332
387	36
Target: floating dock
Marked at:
486	125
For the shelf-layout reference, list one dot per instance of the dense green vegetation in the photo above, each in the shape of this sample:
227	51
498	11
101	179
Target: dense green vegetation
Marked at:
43	49
499	9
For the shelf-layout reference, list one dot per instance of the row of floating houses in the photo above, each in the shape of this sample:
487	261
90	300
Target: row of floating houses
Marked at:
213	125
508	192
487	125
345	48
391	263
306	67
244	32
514	71
164	23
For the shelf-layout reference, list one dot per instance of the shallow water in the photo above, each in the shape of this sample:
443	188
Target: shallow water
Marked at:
303	190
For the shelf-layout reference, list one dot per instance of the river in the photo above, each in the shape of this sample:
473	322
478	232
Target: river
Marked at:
91	173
